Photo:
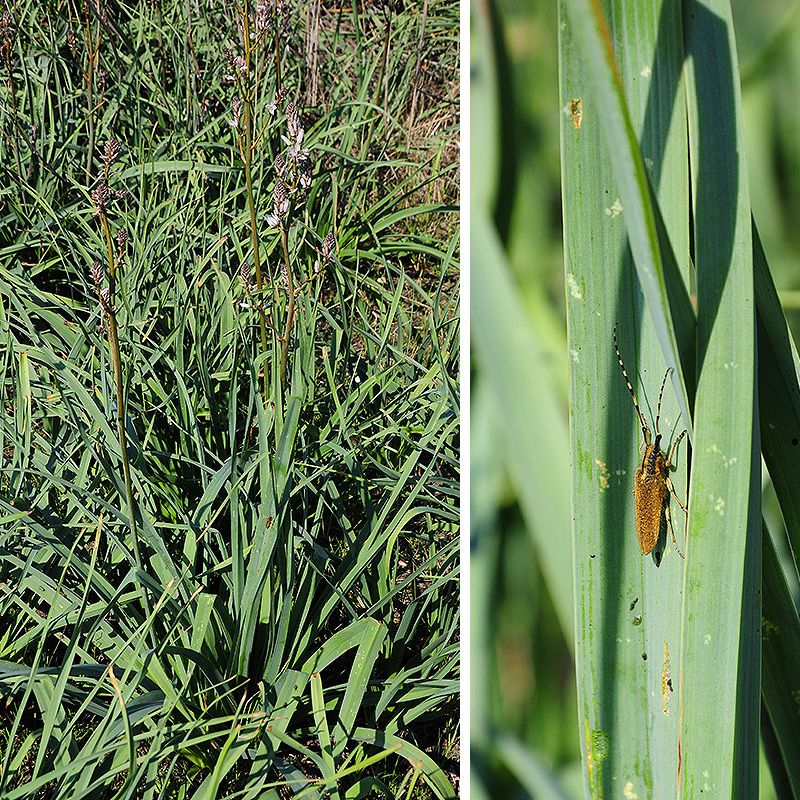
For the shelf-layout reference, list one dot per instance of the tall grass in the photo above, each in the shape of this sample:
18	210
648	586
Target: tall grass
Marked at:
229	277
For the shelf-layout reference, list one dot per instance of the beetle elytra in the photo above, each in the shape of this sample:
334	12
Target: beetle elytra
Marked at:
652	485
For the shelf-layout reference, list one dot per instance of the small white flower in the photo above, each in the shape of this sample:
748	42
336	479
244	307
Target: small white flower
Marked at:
236	110
296	152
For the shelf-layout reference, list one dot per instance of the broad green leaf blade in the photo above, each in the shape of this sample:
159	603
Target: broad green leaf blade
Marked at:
721	646
779	411
778	395
628	605
635	89
264	537
341	641
368	651
780	659
433	775
321	722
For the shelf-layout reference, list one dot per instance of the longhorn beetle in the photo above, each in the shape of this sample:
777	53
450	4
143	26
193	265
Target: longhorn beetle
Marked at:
652	485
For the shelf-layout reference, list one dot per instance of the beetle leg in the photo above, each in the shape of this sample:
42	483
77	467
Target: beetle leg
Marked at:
669	518
672	531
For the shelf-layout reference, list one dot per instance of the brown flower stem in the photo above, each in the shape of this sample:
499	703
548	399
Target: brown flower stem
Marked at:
290	309
112	264
254	237
89	82
277	27
16	122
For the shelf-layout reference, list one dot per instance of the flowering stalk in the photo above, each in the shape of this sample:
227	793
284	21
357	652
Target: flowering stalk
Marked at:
290	309
242	121
294	170
294	177
94	56
277	27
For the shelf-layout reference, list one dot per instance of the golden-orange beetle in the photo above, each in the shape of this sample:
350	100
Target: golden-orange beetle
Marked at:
652	485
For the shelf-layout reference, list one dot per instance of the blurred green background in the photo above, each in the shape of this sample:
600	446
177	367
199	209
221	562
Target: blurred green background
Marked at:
525	740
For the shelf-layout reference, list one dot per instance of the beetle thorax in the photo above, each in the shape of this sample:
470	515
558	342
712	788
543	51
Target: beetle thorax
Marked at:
654	460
